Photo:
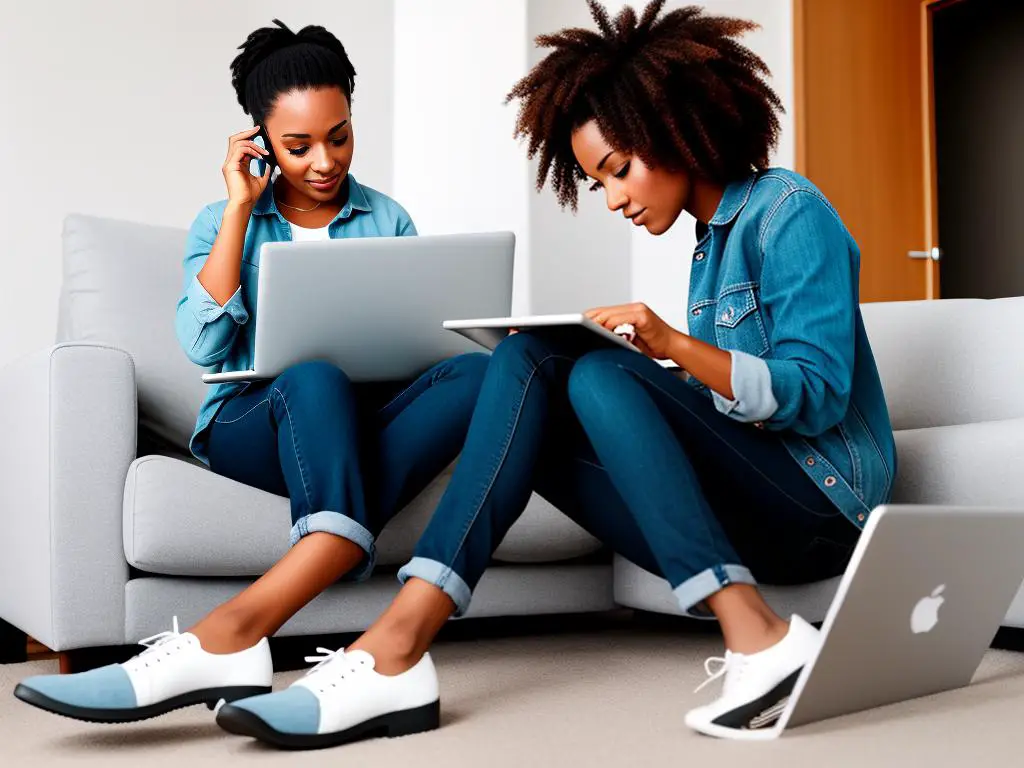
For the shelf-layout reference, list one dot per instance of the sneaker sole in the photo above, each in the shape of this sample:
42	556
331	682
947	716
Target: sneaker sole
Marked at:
406	722
208	696
756	720
749	715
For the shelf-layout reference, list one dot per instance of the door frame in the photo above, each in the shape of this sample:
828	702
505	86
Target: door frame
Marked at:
931	176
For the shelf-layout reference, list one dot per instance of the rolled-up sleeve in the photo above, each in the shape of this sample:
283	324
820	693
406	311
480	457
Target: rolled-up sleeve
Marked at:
206	309
809	291
753	399
205	329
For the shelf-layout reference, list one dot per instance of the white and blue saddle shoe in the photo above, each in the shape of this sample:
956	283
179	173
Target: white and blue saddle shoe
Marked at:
340	700
173	672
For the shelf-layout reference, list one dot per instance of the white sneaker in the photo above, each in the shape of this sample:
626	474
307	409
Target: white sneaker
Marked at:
341	699
756	687
173	672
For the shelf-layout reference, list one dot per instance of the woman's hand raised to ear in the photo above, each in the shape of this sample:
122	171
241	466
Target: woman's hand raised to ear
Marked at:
654	337
243	187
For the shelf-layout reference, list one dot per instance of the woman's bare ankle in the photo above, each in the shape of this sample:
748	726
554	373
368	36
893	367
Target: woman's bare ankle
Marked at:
758	637
225	630
400	637
748	624
393	651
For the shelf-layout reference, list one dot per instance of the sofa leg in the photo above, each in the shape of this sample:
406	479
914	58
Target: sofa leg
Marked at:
13	644
84	659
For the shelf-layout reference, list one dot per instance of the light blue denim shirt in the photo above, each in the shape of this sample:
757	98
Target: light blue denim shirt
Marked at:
221	337
774	280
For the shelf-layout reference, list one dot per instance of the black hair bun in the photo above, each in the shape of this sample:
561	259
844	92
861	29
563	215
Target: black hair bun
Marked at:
263	43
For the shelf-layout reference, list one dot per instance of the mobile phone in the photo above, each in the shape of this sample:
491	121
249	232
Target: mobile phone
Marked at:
257	167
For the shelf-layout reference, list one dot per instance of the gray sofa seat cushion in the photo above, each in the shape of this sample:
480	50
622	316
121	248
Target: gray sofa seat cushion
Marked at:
965	464
181	519
956	361
518	590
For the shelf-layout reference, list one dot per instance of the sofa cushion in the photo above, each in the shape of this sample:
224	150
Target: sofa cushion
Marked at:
181	519
121	283
956	361
964	464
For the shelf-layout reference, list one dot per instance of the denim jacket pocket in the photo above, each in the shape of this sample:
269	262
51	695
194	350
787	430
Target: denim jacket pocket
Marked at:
738	323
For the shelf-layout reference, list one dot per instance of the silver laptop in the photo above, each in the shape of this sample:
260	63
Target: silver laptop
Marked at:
374	306
924	595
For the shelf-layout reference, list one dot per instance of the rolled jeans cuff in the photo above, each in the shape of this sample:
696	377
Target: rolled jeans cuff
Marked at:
345	527
692	593
442	577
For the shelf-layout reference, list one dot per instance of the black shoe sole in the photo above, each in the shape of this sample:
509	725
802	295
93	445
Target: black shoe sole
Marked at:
748	716
208	696
242	722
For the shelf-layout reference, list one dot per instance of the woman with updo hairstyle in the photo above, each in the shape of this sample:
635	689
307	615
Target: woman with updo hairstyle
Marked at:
347	456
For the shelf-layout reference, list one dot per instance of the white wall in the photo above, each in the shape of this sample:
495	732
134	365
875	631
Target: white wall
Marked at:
457	168
578	260
122	108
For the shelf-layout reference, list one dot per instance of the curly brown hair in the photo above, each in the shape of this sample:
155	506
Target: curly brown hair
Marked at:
676	90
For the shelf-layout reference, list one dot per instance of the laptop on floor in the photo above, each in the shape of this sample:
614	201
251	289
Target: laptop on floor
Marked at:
374	306
924	595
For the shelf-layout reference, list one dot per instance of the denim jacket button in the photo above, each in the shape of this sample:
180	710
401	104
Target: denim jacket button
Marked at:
696	312
830	481
810	461
860	517
699	256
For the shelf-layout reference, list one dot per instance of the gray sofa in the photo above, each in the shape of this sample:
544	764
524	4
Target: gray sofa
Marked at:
108	528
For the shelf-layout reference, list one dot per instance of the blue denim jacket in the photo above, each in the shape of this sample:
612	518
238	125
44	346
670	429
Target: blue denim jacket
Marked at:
221	337
774	280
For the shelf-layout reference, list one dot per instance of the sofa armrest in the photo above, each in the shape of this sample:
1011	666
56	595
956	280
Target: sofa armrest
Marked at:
70	419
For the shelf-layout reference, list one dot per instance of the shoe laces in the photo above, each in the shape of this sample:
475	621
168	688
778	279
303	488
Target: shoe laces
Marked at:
332	667
158	646
730	667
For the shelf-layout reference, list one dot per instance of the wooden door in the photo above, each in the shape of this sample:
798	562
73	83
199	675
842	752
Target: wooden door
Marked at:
864	133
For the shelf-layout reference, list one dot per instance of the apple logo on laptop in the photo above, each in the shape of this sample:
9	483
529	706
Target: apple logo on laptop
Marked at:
926	612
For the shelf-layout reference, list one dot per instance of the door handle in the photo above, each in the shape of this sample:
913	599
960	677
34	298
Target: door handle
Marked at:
935	254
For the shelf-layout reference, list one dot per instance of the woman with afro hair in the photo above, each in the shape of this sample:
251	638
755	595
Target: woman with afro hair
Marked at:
764	459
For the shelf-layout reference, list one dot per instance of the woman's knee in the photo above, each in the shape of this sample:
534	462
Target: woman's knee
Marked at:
472	365
518	348
590	382
315	379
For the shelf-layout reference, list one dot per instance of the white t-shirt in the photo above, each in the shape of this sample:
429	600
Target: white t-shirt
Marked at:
304	233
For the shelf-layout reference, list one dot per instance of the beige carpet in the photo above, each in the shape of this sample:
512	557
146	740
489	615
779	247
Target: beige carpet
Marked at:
609	698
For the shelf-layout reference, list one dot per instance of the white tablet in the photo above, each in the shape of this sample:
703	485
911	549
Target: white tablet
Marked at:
489	332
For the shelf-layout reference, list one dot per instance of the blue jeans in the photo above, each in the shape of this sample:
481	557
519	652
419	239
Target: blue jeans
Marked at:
348	456
640	459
